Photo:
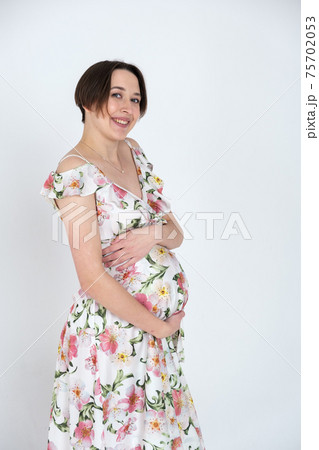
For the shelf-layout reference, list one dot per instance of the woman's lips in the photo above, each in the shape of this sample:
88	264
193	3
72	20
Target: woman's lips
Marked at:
123	123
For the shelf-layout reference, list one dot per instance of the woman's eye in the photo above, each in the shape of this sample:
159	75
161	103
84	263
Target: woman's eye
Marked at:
118	95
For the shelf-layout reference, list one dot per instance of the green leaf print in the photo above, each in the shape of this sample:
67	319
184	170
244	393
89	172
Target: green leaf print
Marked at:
120	225
146	381
155	265
169	399
189	424
107	388
134	223
61	426
157	275
111	429
154	447
87	411
119	378
101	312
137	205
174	381
58	374
86	307
158	402
55	410
136	340
124	204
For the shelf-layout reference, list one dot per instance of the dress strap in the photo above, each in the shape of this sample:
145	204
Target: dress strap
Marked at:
129	144
79	156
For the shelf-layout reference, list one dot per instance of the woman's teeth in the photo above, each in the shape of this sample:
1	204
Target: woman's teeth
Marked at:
123	122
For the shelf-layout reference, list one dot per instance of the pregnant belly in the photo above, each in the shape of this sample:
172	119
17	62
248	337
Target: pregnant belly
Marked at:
158	281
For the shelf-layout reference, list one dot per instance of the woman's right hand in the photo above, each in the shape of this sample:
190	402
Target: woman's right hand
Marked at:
171	325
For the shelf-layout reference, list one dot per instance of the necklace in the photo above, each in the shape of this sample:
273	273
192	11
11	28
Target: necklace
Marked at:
120	170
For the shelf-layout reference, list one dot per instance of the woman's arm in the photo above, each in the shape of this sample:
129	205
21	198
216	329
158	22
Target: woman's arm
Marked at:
169	234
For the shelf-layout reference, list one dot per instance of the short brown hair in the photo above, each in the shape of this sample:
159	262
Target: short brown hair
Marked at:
94	86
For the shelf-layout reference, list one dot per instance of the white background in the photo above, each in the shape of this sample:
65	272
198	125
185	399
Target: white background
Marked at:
223	81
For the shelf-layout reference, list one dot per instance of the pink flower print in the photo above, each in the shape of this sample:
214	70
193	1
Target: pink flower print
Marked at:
62	359
199	432
108	341
156	182
91	361
154	202
85	336
48	184
162	290
119	192
181	280
126	429
51	446
72	347
84	433
78	396
177	443
153	365
135	399
155	420
178	401
128	277
160	254
142	298
73	187
97	389
106	408
159	344
99	178
63	333
103	208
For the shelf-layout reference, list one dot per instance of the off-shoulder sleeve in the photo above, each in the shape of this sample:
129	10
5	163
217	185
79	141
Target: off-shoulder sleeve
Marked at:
83	180
154	185
143	158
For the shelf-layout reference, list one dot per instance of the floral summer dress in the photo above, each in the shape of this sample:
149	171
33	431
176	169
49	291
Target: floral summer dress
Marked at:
116	386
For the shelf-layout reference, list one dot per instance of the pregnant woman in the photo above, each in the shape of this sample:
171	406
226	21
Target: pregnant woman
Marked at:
118	381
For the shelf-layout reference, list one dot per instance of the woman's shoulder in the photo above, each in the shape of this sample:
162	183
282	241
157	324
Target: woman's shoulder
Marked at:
133	142
71	160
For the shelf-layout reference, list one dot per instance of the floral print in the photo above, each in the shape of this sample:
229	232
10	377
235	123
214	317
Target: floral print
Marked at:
117	387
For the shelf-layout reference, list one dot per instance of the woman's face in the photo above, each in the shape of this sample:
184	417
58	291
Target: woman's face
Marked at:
123	108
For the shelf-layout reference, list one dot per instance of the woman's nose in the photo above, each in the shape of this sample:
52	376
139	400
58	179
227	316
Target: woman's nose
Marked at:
126	105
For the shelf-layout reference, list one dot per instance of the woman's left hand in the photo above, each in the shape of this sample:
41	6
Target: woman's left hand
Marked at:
130	246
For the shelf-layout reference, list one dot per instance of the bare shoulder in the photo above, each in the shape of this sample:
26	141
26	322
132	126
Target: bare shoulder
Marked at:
133	142
71	161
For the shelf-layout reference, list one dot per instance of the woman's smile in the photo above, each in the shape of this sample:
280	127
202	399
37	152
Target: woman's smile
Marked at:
121	122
